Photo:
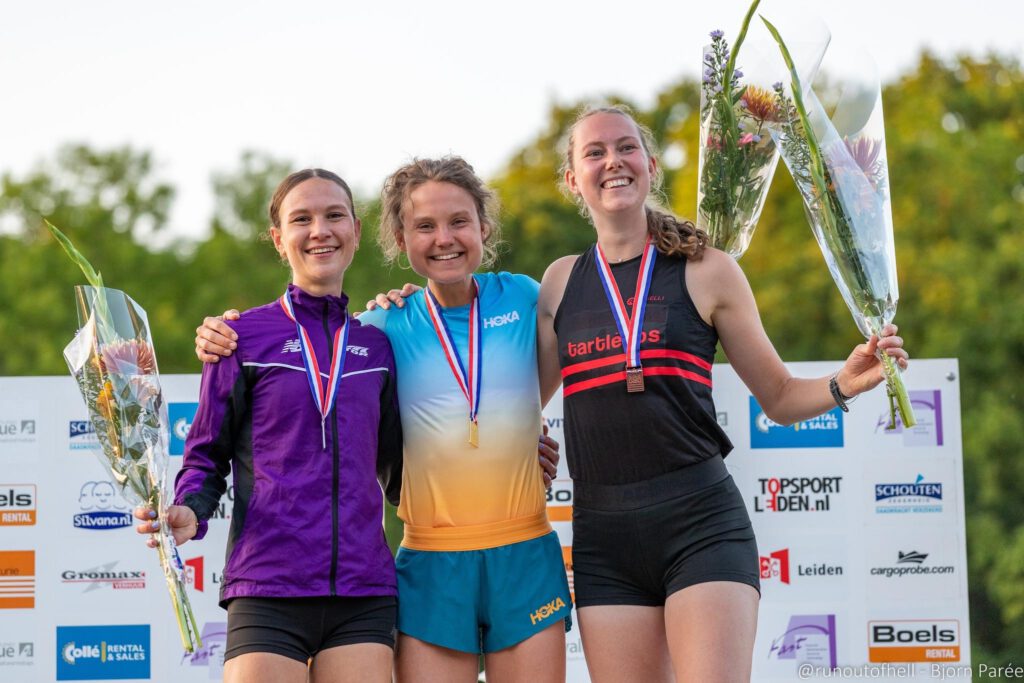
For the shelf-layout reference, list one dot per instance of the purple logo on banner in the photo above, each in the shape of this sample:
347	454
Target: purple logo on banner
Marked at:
809	638
215	638
927	404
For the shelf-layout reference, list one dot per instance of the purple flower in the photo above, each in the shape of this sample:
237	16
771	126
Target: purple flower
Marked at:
777	85
737	74
757	138
708	73
717	34
717	89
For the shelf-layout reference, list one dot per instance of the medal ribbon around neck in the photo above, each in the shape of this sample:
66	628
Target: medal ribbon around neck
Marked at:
630	326
469	382
322	397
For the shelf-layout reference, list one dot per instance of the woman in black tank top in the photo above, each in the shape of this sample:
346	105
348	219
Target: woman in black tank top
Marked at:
643	444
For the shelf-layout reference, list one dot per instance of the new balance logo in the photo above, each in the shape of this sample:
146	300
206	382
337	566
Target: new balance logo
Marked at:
501	319
545	611
291	346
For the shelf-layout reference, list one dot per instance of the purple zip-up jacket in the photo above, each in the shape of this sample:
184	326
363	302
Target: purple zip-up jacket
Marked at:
307	520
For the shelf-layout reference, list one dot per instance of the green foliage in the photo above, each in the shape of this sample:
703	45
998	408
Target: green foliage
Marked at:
955	135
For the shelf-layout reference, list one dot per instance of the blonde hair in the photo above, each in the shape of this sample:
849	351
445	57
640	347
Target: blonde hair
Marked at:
449	169
672	236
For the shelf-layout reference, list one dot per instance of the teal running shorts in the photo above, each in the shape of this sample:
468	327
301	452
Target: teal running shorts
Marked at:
483	601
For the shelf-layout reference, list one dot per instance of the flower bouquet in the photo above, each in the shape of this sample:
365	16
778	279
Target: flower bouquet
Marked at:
839	166
737	156
112	360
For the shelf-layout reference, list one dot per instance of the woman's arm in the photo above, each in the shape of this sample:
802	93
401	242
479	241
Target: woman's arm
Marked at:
552	287
724	298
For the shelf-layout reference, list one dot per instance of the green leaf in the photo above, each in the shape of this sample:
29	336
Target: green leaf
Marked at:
93	278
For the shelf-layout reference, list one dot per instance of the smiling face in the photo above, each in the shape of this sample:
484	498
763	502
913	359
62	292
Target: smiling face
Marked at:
318	235
441	232
610	169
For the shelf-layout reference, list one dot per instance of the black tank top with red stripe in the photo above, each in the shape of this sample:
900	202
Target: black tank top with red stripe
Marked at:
614	437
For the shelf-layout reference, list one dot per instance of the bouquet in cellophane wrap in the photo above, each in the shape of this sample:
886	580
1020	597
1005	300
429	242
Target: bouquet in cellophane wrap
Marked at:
737	155
840	167
112	360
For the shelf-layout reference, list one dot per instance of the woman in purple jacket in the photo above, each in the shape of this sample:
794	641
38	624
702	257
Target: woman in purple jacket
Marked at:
305	415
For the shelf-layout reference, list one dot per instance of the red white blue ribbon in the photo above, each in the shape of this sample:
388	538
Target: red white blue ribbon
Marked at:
631	327
467	377
323	396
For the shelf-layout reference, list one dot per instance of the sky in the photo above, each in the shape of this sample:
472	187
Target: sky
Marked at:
360	88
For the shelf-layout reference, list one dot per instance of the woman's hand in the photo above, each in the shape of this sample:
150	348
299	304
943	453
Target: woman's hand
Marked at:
863	371
181	519
394	296
547	451
215	339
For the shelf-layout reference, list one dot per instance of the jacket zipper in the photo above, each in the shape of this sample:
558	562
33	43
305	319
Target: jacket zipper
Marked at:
335	466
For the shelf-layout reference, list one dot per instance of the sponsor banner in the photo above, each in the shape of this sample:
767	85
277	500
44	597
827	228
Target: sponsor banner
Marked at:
17	504
17	579
809	568
82	436
92	653
559	499
17	653
806	639
912	488
918	565
794	494
214	635
180	416
824	431
101	507
914	640
19	427
919	496
927	406
107	575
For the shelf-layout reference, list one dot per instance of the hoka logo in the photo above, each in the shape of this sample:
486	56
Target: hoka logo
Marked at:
501	319
545	611
291	346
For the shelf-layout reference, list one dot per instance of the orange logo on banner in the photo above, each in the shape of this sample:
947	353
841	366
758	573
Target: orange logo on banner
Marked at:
921	640
560	513
17	504
17	579
567	558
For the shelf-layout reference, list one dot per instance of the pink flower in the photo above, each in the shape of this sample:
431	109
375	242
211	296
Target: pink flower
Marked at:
746	139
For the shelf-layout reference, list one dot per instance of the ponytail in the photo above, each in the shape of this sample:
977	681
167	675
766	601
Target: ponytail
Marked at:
675	237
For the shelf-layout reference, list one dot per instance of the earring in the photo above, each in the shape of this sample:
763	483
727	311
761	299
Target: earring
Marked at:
408	263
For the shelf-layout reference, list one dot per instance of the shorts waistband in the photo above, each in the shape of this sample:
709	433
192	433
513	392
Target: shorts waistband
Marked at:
638	494
477	536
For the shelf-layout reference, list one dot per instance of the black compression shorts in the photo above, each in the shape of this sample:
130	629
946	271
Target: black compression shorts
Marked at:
636	544
299	628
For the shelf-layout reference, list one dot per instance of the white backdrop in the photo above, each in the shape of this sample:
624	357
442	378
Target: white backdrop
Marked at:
860	532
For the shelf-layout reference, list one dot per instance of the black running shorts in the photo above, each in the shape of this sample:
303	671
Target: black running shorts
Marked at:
636	544
299	628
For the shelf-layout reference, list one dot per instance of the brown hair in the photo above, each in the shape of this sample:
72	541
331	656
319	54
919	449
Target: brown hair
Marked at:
289	183
672	236
449	169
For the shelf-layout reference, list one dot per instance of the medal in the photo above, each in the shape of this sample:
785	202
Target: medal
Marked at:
322	397
469	382
630	326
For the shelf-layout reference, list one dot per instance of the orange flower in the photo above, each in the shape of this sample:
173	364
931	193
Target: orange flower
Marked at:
760	103
105	401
